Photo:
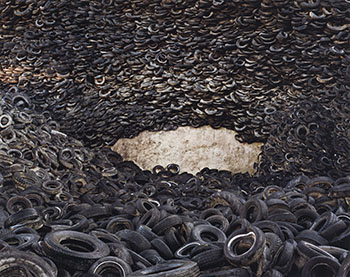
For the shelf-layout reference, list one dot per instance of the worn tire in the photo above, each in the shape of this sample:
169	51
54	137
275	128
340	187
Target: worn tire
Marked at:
74	249
110	265
171	268
12	261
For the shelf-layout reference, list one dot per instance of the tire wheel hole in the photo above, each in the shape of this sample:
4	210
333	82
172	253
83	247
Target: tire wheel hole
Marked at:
208	237
251	214
322	270
12	241
114	271
242	247
77	245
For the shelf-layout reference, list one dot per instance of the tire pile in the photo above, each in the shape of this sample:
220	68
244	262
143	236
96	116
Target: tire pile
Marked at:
110	69
310	139
77	75
68	210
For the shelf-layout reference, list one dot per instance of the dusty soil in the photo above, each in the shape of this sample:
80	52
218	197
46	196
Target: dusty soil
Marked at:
191	148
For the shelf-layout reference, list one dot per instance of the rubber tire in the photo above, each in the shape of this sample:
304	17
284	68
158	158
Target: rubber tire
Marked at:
162	248
232	272
137	242
81	260
166	223
209	259
198	231
252	254
29	261
313	262
100	265
173	268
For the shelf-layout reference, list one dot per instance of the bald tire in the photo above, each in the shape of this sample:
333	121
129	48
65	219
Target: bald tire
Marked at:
171	268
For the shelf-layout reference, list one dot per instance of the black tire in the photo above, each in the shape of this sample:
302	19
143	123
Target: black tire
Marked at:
273	273
74	249
226	198
312	237
138	260
173	268
166	223
306	217
143	205
284	258
172	240
320	266
152	256
110	265
237	224
329	225
209	259
209	212
219	221
120	251
273	243
147	232
119	223
184	252
268	226
135	240
162	248
13	203
337	252
232	272
307	250
208	234
22	216
342	240
150	218
254	210
345	267
13	261
250	255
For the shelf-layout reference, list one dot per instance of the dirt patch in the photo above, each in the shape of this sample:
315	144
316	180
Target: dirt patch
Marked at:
191	148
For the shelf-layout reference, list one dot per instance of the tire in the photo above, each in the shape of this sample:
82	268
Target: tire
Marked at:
219	221
139	261
152	256
307	250
166	223
328	225
268	226
273	243
184	252
173	268
120	251
312	237
143	205
345	267
135	240
254	210
110	265
209	259
172	240
150	218
284	258
74	249
226	198
232	272
162	248
207	234
147	232
320	266
252	254
17	262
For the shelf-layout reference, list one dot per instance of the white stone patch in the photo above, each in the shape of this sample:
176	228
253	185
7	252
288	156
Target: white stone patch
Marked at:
191	148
